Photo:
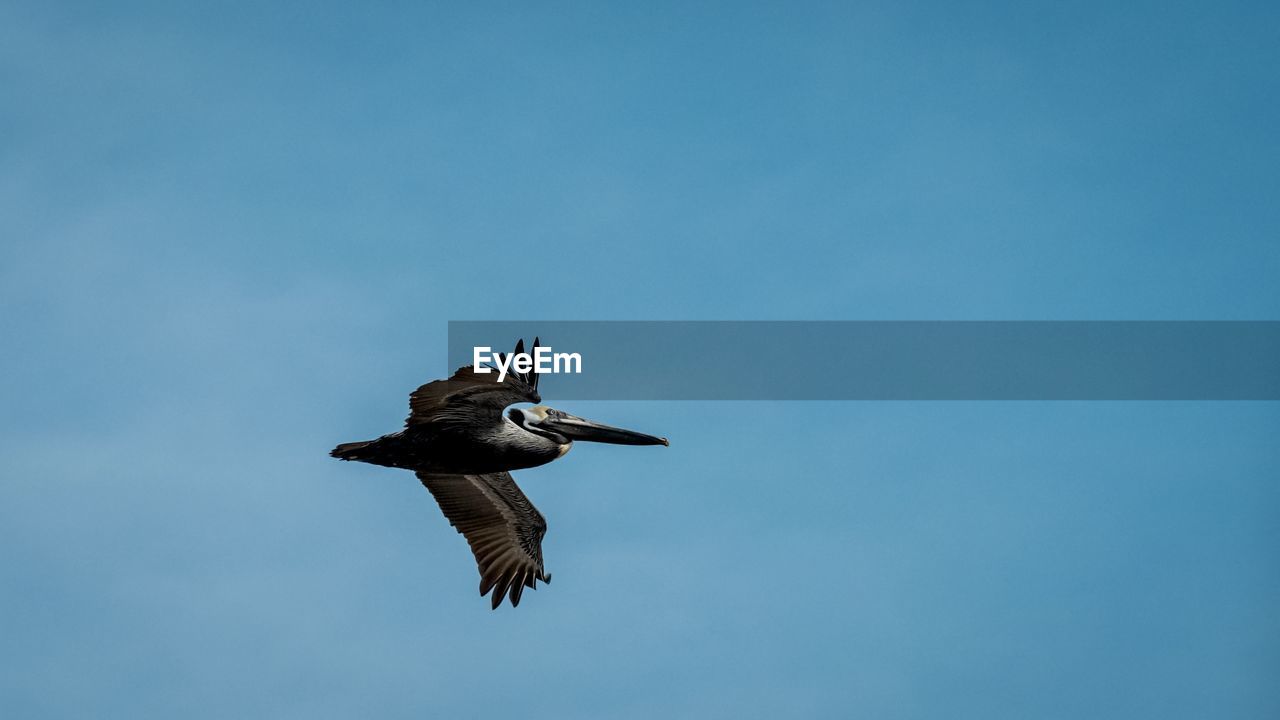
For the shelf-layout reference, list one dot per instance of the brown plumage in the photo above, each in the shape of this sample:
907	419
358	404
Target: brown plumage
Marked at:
502	527
472	393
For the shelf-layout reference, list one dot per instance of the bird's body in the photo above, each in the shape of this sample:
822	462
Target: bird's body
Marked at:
504	446
462	445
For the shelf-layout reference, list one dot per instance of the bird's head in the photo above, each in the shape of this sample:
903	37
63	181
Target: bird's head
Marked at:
563	428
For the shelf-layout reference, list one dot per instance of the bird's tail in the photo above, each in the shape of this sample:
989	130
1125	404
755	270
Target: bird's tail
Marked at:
352	450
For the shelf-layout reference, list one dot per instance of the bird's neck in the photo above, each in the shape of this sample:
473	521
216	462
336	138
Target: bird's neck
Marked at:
527	449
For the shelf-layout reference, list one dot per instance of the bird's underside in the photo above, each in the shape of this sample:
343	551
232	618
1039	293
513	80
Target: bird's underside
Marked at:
502	527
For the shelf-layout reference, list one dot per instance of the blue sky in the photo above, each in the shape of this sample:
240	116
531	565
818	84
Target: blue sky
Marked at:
232	235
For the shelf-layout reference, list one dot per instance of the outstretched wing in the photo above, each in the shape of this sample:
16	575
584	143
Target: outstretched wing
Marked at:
502	527
472	395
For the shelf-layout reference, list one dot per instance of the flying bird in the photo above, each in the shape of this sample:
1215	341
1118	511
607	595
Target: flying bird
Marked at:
462	440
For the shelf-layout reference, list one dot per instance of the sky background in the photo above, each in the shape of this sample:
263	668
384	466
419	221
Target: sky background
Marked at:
231	236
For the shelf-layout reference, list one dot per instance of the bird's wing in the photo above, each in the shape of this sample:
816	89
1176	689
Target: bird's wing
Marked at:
471	395
502	527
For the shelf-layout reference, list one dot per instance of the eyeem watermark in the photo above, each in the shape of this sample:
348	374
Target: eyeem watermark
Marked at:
900	360
542	361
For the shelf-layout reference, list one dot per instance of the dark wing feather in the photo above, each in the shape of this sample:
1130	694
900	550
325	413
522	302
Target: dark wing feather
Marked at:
502	527
468	394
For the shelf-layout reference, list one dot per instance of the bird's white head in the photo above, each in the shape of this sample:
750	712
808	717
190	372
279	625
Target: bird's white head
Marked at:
564	428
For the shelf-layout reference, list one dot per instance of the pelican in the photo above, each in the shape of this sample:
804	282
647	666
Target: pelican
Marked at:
461	444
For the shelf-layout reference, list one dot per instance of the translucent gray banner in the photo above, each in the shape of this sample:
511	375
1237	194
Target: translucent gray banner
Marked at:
915	360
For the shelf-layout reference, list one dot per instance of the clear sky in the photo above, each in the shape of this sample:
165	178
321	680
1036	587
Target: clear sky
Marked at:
231	236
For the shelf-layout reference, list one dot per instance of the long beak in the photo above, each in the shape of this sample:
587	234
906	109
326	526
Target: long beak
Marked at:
576	428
